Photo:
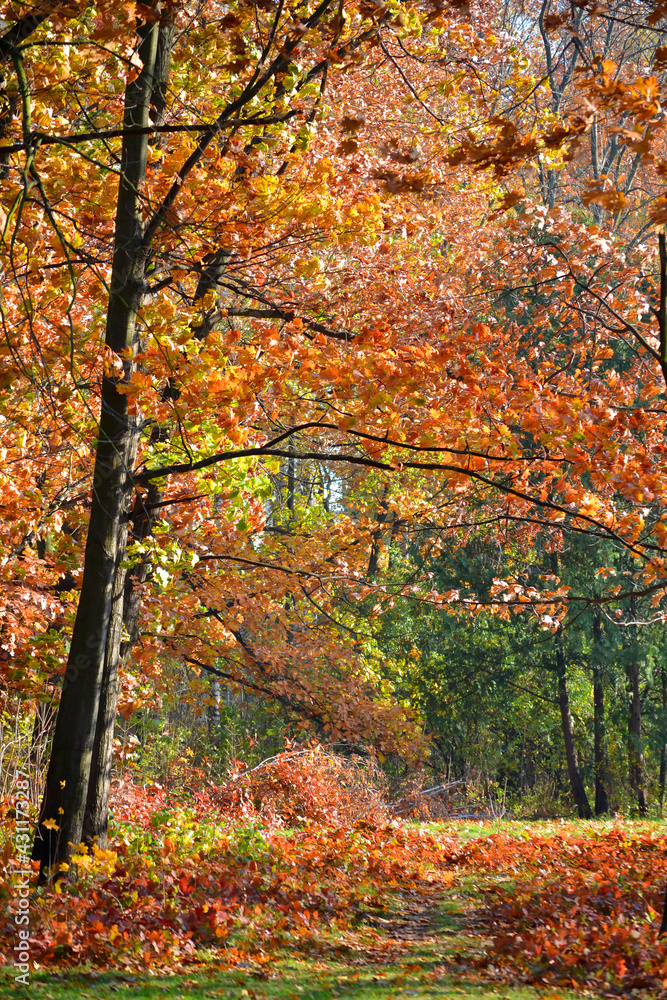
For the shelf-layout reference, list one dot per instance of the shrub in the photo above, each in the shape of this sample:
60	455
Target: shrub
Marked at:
308	785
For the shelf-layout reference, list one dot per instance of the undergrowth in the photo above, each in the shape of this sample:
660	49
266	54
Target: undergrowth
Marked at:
300	857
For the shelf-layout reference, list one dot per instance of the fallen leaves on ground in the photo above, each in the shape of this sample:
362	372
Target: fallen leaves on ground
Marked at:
574	909
178	881
185	883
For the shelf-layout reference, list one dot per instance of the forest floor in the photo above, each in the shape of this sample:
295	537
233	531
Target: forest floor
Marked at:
512	911
423	947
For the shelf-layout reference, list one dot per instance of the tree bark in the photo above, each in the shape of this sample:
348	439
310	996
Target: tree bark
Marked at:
599	725
571	756
635	751
88	666
125	616
663	925
576	784
95	821
663	748
376	536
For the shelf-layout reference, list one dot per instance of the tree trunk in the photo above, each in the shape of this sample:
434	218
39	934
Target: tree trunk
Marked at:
599	727
95	819
143	520
45	714
213	711
125	615
635	752
576	784
663	672
571	756
376	536
600	744
635	755
162	67
88	665
663	748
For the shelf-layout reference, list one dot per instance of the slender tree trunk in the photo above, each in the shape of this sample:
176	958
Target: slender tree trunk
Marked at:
576	784
635	752
376	536
599	726
64	804
143	520
213	711
571	756
663	748
635	755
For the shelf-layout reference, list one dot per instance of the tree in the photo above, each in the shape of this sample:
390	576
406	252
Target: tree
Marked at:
150	242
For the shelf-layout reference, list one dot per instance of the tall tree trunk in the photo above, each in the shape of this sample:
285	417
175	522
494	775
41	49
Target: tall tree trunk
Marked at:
161	70
576	784
124	616
213	711
95	818
376	535
64	804
600	743
635	752
599	726
143	518
571	756
663	925
663	748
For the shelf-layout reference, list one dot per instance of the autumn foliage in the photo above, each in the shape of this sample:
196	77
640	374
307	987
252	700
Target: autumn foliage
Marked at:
300	787
186	879
316	318
178	878
574	910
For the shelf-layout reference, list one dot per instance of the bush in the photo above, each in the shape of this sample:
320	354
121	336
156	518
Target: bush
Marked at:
308	785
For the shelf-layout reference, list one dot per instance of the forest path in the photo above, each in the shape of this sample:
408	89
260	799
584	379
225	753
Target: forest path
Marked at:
425	947
436	911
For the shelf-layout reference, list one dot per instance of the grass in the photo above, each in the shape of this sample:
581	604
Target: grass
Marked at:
465	830
292	981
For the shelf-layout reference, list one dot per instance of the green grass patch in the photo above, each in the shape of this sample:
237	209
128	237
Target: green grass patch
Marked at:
418	975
